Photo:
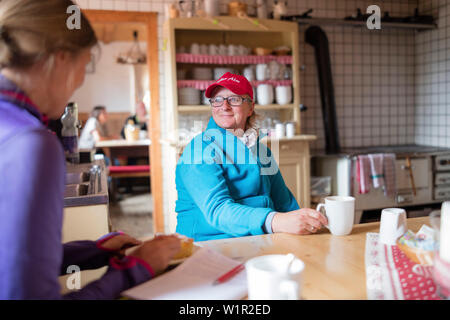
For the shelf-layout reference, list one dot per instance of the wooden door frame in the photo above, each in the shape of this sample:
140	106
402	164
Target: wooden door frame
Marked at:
150	19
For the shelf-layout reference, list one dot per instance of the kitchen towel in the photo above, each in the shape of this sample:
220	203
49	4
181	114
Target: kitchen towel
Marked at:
363	173
376	169
391	275
390	185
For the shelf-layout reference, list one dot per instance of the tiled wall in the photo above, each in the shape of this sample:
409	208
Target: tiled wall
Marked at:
432	125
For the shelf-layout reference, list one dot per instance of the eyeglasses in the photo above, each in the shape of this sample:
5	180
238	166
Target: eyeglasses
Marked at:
234	101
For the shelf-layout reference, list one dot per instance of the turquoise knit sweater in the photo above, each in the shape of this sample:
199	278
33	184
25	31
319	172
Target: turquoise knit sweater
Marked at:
226	189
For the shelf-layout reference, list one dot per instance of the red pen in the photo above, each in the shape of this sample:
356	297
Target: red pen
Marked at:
230	274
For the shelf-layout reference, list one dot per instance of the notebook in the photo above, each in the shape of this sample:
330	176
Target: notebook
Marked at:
193	280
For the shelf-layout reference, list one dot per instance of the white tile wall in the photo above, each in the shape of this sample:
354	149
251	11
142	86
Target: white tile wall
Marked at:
432	113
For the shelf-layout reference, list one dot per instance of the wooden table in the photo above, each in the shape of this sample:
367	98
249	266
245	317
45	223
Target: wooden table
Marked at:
124	148
335	266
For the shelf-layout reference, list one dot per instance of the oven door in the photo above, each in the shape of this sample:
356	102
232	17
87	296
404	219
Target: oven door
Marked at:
375	199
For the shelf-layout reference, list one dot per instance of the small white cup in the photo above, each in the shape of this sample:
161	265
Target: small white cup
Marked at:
204	49
213	49
249	73
223	50
283	94
392	225
195	48
272	277
262	72
340	212
290	129
264	93
280	130
233	50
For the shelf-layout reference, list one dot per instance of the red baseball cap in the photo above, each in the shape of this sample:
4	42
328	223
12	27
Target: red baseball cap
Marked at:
234	82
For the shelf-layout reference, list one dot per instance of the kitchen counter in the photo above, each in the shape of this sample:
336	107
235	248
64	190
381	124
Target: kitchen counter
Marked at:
185	142
86	186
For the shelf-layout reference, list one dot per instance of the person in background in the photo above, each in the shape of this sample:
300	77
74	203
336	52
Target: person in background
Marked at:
228	182
95	129
139	119
42	63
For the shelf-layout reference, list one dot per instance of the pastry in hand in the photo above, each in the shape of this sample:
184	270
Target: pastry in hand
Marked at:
187	244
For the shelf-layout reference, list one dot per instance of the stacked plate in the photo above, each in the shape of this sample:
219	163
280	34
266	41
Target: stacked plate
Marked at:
202	73
189	96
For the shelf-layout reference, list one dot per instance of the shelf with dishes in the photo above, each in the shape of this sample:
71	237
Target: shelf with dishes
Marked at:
229	59
203	84
207	108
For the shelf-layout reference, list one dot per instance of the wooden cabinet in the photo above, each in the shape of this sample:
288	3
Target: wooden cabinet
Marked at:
84	223
293	159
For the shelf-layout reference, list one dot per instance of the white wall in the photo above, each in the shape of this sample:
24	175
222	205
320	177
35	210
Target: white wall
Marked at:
111	84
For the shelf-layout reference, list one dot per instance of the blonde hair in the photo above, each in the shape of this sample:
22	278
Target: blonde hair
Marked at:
32	30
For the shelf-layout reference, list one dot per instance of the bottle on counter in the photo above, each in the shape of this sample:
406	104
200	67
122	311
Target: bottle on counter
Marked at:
69	133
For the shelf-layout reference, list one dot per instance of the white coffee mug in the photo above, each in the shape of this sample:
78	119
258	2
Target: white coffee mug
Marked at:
274	277
233	50
223	50
283	94
392	225
280	130
340	212
290	129
212	8
264	94
204	49
249	73
213	49
195	48
262	72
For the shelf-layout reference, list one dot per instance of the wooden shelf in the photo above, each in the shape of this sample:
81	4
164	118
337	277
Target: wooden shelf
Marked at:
207	108
203	84
343	22
225	60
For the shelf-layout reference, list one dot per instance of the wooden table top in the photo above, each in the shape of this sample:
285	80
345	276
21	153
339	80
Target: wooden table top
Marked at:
335	267
122	143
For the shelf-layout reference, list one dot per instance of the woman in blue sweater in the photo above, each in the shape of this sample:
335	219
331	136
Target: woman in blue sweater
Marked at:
228	183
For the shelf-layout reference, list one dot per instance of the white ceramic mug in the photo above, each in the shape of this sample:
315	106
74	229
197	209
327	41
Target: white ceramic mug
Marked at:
340	212
264	94
213	49
195	48
223	50
212	8
392	225
262	72
272	277
290	129
249	73
283	94
233	50
204	49
280	130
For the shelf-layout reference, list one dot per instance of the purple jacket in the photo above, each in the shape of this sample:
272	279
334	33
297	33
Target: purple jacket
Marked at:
32	173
